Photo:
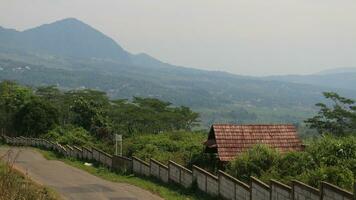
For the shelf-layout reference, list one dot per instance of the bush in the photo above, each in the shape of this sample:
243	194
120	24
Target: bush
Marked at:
182	147
254	162
331	159
78	136
338	175
334	151
292	164
71	135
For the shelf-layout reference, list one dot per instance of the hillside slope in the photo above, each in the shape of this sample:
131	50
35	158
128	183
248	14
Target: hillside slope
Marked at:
71	54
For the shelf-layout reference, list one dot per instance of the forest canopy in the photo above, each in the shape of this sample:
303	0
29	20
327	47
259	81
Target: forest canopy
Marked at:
36	111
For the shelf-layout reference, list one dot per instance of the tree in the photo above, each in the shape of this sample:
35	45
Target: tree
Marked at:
12	98
36	118
91	116
150	115
186	119
337	119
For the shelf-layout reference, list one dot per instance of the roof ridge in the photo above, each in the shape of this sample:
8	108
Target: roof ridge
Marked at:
253	124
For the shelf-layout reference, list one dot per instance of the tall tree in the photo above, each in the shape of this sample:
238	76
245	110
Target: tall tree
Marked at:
36	118
339	118
12	98
92	116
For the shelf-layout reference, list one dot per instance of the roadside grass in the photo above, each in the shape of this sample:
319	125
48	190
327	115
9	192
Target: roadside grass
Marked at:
15	185
167	191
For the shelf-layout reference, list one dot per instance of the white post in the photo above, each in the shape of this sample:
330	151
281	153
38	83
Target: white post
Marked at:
118	138
121	148
116	147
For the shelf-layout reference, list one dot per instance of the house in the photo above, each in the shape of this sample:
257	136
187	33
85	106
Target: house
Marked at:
229	140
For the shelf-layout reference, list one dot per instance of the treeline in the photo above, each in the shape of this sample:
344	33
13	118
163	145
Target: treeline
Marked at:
330	158
37	111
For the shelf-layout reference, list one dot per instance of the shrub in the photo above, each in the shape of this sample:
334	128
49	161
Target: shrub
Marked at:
254	162
294	163
288	166
331	159
182	147
338	175
334	151
71	135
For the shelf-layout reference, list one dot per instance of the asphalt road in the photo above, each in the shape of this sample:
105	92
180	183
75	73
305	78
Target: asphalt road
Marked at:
70	182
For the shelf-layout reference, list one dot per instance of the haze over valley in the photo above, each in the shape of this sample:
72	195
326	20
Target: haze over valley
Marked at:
71	54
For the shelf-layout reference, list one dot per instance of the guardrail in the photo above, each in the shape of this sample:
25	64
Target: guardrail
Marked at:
221	185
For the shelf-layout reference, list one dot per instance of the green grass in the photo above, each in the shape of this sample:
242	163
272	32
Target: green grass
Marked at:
166	191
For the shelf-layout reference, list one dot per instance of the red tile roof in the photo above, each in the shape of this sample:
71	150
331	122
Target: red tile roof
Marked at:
233	139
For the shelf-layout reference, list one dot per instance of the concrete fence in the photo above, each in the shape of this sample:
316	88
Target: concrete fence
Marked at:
259	190
140	167
206	181
301	191
87	154
221	185
231	188
180	175
78	152
122	164
159	170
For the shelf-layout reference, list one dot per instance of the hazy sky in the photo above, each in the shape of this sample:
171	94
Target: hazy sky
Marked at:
258	37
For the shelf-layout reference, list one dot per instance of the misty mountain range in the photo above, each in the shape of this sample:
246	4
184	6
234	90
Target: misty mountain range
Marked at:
71	54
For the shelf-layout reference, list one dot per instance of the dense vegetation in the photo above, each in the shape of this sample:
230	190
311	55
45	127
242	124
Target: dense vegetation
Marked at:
185	148
330	158
339	119
220	100
155	129
58	54
85	117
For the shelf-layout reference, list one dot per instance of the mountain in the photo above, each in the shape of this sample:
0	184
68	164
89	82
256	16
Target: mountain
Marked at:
71	54
343	78
68	37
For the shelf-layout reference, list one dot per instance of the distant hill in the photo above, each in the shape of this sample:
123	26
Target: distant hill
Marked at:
344	78
71	54
341	70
